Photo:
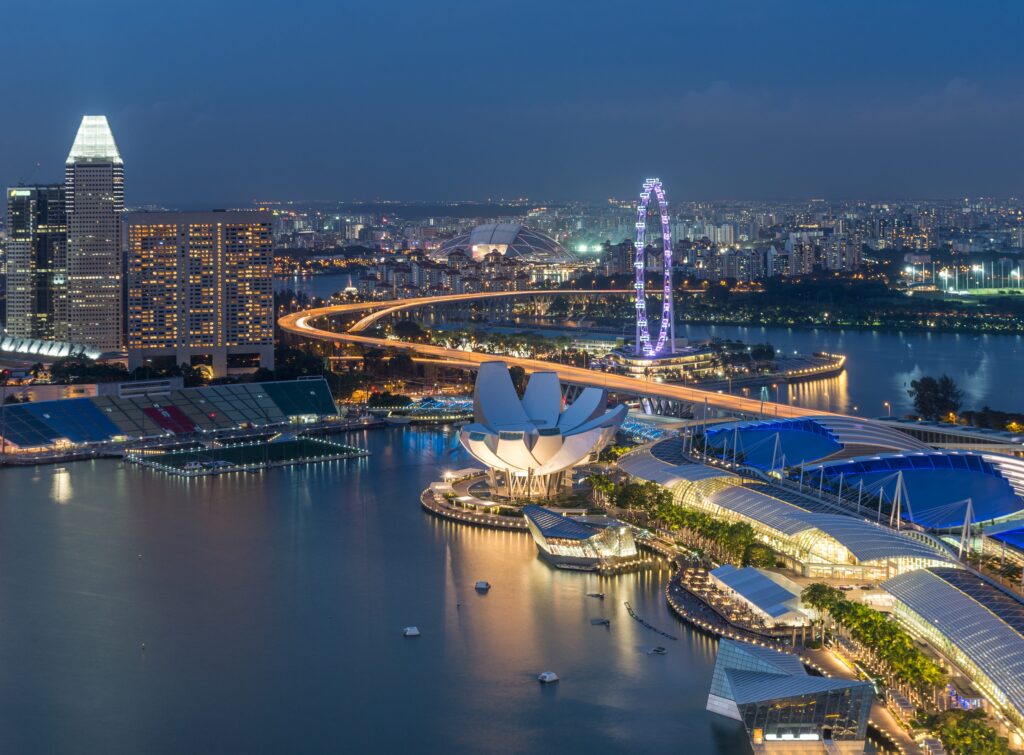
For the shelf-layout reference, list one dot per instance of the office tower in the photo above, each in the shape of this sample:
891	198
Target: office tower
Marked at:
36	260
94	197
200	289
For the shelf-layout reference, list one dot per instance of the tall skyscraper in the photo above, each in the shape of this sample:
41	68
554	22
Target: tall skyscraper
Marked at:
200	289
36	260
94	197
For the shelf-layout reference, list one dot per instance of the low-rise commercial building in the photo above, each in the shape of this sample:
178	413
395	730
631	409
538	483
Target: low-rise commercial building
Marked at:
579	542
783	708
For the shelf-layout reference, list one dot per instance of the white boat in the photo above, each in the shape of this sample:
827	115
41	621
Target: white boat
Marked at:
483	585
410	632
397	420
547	677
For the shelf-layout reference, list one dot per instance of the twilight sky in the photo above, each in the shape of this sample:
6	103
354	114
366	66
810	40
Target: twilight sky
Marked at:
223	101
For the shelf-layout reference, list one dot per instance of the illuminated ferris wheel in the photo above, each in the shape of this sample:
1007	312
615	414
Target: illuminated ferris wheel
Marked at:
667	331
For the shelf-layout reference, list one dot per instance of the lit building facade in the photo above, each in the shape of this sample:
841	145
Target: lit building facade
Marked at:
974	622
200	289
783	708
815	545
531	445
579	542
36	260
91	313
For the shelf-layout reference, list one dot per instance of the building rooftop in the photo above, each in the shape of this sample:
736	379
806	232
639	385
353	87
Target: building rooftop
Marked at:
771	593
551	524
94	142
985	622
510	240
938	483
865	540
645	465
747	673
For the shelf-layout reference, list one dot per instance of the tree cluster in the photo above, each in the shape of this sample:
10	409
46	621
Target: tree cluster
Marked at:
891	645
965	732
936	399
733	542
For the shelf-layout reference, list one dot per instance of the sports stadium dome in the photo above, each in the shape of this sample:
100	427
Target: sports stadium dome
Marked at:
936	486
511	240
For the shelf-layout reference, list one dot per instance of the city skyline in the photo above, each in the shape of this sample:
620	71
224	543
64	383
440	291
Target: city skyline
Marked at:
428	102
552	377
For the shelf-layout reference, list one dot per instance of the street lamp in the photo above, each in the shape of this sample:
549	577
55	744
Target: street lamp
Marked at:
888	407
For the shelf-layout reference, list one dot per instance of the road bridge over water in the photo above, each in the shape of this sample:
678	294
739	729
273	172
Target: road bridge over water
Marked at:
310	324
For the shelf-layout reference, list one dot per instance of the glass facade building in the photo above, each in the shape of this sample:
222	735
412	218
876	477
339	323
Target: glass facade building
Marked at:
778	702
975	622
36	260
579	542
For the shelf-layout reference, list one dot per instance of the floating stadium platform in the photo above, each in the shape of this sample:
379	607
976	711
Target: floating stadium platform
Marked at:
245	456
70	424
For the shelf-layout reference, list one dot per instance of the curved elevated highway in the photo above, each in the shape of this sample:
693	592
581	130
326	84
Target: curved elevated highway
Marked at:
304	324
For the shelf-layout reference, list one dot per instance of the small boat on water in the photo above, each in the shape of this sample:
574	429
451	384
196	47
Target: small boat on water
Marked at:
598	595
657	651
547	677
601	622
482	586
398	419
410	632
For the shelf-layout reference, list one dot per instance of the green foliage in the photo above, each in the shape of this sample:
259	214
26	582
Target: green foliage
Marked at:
191	376
648	497
602	484
993	419
965	732
613	452
734	542
891	645
409	330
935	398
759	554
74	370
291	363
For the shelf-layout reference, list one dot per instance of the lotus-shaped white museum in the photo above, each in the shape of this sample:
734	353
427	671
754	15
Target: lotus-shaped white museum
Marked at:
529	445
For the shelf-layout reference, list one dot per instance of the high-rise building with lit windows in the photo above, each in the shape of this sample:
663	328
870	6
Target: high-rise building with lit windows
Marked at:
36	260
200	289
91	312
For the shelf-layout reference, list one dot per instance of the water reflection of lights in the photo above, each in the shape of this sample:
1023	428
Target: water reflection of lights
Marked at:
828	394
60	488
